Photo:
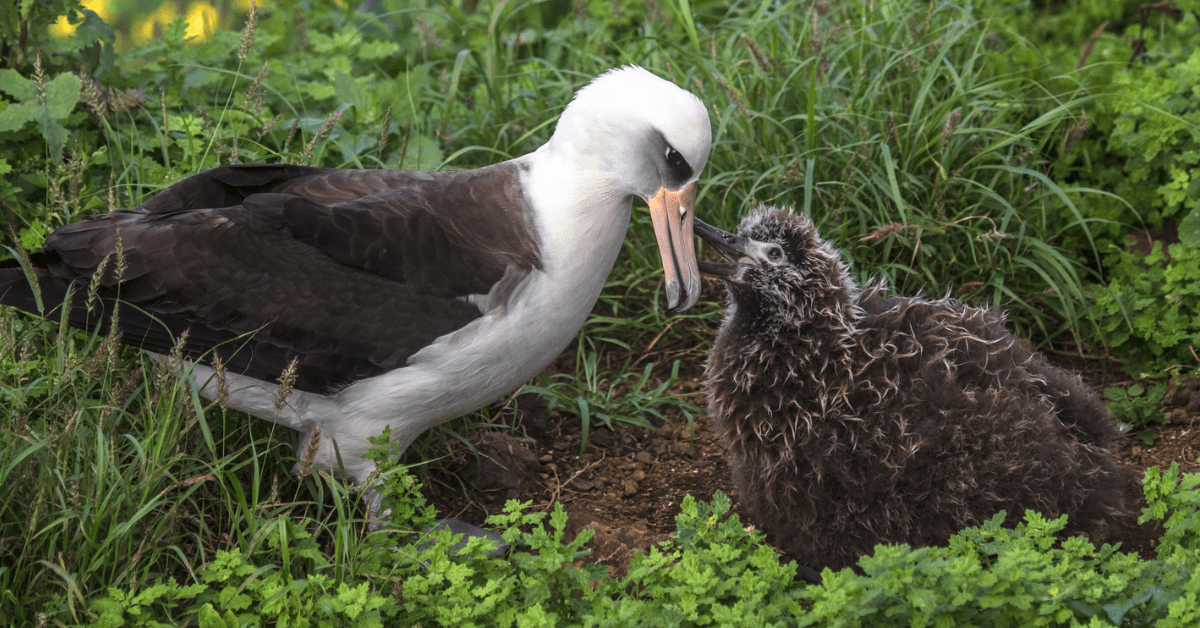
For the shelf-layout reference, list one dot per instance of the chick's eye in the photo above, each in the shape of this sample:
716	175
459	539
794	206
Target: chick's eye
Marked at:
775	255
673	157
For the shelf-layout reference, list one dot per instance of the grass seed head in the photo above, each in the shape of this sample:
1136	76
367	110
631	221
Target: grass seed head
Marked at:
268	125
291	135
97	279
117	395
333	118
219	371
254	93
167	366
249	32
1087	48
119	271
301	31
733	94
952	121
310	453
94	98
110	193
765	63
426	35
1075	133
385	131
287	380
166	122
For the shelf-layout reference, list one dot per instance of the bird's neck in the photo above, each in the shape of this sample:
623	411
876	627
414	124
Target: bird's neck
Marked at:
582	216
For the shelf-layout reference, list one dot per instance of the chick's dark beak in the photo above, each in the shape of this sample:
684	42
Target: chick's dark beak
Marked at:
730	245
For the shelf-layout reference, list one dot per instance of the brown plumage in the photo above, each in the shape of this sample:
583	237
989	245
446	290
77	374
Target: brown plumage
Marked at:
855	418
347	272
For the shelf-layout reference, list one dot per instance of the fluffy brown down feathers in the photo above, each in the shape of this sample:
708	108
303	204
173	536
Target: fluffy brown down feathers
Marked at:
855	418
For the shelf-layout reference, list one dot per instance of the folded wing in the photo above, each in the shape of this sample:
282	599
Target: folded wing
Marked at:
346	272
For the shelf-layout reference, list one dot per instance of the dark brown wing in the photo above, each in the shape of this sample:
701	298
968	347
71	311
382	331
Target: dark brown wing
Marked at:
348	272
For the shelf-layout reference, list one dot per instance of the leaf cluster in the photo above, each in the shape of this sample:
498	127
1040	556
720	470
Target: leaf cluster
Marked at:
1139	141
1144	137
1150	309
1138	407
1173	495
712	572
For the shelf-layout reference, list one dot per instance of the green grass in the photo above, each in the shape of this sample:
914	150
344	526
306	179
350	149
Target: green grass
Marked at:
904	128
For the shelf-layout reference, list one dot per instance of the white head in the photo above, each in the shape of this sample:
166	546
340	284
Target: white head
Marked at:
649	138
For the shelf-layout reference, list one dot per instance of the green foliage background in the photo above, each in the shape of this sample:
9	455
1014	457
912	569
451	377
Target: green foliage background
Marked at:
1004	151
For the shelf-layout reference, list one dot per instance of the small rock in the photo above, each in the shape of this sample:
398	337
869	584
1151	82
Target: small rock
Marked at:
631	488
507	464
1184	389
1178	416
658	446
546	458
637	476
559	444
552	467
602	439
582	484
644	457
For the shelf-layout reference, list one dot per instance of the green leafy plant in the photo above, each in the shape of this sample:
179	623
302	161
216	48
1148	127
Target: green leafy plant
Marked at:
1175	497
1152	121
1140	135
1150	311
235	592
46	102
714	571
1138	407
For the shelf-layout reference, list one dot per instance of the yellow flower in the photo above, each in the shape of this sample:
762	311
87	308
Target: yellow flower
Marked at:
63	29
202	20
144	29
244	5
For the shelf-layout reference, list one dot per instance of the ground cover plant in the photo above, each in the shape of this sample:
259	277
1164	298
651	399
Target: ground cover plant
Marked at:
936	148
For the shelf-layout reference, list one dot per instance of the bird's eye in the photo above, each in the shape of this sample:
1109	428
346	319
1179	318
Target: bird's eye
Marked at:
775	254
673	157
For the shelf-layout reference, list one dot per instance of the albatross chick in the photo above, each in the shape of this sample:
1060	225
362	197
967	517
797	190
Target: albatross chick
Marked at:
855	418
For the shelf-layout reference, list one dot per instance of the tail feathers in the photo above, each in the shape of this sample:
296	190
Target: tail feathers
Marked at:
155	333
158	332
16	289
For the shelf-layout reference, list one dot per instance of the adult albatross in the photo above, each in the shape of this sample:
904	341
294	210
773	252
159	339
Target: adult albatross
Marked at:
401	299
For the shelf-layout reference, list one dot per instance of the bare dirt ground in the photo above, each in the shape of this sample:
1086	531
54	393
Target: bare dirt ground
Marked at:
628	483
